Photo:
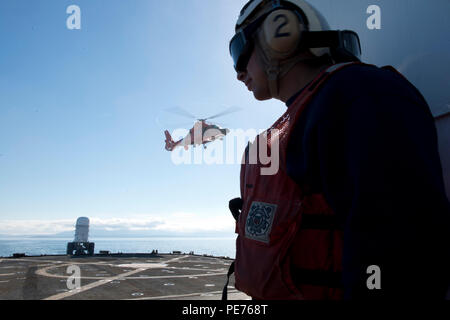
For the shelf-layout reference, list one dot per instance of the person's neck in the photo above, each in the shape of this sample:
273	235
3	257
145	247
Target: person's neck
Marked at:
297	78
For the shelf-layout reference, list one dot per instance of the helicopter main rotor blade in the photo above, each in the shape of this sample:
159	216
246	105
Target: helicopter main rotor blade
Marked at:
227	111
182	112
181	125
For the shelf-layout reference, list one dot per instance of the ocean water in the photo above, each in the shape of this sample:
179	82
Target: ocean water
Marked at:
212	246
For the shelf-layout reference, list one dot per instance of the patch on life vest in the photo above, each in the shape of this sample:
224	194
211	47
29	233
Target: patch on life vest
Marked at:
259	221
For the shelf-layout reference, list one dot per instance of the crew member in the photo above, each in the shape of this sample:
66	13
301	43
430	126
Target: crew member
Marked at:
357	208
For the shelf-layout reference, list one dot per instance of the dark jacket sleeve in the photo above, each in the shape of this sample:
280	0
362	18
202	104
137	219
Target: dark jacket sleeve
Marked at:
373	153
383	176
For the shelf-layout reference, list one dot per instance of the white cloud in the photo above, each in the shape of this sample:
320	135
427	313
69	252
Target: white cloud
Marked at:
174	222
184	222
35	227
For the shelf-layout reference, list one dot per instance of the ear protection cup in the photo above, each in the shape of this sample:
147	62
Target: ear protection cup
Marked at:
280	34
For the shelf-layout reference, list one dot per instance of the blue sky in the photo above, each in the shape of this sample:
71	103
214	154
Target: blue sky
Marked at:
80	117
82	112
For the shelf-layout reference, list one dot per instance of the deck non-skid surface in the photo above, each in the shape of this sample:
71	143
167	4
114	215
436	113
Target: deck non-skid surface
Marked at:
163	277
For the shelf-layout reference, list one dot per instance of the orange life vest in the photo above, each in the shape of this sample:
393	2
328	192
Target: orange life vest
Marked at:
289	243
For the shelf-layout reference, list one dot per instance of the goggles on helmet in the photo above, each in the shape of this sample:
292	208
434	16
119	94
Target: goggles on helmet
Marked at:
241	45
240	50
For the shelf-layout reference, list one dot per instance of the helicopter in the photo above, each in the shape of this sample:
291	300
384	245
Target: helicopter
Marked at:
201	133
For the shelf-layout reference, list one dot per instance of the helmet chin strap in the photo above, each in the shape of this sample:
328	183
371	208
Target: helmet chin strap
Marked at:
273	75
276	69
272	69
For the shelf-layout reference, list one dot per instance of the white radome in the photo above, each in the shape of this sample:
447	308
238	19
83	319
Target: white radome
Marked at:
82	230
